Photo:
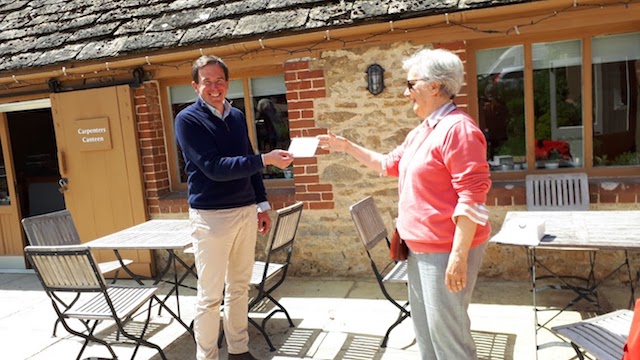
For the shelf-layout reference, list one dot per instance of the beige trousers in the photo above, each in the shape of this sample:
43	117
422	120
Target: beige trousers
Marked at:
224	243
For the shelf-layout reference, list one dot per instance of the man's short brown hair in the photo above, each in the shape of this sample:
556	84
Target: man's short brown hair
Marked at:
205	60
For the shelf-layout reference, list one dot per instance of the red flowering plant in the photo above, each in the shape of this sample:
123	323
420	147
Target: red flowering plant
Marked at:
552	150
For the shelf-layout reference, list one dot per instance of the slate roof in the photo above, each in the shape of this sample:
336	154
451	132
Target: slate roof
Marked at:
38	33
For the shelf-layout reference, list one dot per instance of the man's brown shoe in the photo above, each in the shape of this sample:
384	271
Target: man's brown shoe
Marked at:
243	356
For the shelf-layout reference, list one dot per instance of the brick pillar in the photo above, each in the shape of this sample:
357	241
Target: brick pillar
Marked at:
303	86
459	48
153	150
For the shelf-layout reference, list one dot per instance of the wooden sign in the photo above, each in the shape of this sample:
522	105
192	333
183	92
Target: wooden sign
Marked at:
93	134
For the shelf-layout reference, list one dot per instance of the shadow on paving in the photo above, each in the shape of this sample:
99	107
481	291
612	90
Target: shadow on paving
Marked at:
301	343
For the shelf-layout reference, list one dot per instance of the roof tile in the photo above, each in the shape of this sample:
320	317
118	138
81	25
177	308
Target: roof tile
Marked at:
47	32
271	22
99	49
222	29
155	40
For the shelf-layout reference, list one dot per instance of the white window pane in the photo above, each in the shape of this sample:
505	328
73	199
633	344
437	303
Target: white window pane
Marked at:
492	61
236	91
556	54
182	94
266	86
607	49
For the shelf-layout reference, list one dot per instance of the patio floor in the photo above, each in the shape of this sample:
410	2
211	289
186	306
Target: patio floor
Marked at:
334	319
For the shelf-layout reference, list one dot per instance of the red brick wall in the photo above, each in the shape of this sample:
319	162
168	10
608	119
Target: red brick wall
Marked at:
153	149
303	86
458	48
601	191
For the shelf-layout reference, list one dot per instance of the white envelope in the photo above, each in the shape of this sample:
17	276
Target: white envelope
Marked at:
302	147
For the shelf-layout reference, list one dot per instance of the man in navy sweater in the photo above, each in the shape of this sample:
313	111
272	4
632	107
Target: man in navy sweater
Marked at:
225	185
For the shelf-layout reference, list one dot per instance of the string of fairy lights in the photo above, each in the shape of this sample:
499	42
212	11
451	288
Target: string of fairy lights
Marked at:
263	47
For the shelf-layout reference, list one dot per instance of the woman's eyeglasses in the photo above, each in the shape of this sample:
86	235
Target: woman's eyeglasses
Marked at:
412	83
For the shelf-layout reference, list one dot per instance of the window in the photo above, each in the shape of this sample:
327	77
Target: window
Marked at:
269	100
501	106
269	130
616	77
559	138
557	86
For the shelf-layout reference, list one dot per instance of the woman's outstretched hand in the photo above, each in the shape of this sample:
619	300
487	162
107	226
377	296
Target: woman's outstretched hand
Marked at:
332	142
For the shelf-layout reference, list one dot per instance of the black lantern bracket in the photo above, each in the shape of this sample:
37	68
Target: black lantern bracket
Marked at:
375	79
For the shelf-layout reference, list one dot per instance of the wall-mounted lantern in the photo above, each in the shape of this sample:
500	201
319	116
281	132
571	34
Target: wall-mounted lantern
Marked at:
375	79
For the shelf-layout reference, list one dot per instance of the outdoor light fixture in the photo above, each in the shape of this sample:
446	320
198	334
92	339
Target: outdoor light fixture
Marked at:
375	79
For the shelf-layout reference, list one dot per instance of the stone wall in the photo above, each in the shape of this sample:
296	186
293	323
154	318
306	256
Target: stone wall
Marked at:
330	92
327	244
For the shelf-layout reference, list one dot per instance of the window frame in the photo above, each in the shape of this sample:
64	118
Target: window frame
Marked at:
587	94
168	118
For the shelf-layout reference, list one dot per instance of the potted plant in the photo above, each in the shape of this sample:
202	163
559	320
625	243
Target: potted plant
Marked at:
553	159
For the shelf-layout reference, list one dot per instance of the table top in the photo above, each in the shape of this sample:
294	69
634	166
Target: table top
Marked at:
591	229
151	235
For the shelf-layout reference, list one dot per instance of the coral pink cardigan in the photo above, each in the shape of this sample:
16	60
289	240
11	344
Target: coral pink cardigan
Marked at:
441	177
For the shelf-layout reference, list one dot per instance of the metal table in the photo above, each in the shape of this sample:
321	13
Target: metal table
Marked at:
157	234
590	231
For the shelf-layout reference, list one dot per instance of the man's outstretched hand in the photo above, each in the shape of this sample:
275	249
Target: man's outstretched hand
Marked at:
278	158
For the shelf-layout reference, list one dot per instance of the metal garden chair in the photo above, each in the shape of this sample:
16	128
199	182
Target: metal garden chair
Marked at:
557	192
57	229
269	274
372	231
73	269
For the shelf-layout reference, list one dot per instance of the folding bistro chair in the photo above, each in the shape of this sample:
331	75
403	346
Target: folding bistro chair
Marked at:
269	274
372	231
73	269
602	336
57	229
557	192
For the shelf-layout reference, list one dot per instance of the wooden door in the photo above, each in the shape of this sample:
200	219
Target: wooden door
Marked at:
11	241
99	159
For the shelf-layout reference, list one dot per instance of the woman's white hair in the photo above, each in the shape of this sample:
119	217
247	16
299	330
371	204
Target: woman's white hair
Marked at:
438	65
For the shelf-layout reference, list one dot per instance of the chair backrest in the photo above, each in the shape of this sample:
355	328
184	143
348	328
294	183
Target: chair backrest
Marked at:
369	223
557	192
55	228
66	268
284	229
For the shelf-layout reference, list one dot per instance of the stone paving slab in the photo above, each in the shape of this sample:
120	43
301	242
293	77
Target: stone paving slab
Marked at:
334	319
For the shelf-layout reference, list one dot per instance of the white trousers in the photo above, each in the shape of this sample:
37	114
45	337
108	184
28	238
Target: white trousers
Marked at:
224	243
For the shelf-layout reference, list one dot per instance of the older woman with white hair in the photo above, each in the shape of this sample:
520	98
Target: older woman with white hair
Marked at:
443	183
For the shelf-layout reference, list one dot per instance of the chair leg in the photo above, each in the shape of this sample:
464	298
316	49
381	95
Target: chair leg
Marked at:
189	328
578	351
220	337
264	334
140	340
115	276
403	315
281	309
88	338
66	306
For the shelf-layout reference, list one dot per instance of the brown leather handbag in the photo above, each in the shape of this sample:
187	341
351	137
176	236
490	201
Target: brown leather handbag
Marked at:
398	248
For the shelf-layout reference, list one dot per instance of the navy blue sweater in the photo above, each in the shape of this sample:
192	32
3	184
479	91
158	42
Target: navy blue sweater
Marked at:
223	170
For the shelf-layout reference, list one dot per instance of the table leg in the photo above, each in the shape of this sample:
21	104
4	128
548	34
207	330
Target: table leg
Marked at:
133	276
588	292
175	259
